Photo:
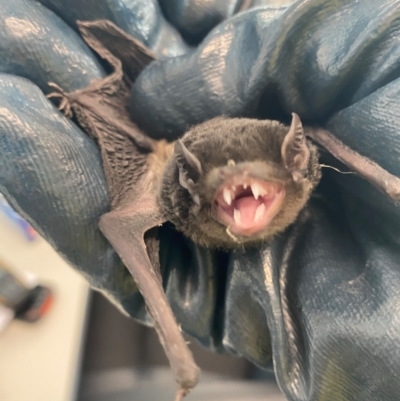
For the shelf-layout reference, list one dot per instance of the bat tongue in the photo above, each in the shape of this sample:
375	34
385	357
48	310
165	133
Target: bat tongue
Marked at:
248	211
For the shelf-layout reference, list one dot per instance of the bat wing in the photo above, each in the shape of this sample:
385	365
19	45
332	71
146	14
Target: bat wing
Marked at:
366	168
132	180
105	37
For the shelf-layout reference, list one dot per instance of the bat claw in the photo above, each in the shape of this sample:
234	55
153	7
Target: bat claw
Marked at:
180	394
64	105
57	89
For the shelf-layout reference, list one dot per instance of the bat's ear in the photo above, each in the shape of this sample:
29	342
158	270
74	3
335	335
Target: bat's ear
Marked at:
294	151
189	168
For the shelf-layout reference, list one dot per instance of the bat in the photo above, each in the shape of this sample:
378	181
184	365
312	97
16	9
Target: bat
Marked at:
227	183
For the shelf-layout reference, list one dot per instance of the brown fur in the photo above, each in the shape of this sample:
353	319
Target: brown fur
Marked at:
242	140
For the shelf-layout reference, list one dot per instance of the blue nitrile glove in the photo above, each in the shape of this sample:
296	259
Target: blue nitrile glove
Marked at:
322	299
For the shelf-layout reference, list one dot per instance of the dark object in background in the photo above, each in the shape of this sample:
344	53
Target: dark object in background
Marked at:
28	303
37	304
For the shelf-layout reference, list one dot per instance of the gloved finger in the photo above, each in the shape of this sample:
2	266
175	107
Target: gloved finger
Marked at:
142	19
269	62
195	19
38	45
51	172
197	274
329	298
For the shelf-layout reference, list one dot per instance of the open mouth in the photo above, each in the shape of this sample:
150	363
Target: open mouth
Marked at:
247	208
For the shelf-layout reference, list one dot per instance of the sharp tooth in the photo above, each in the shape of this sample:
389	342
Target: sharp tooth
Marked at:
257	190
245	186
227	196
259	212
237	216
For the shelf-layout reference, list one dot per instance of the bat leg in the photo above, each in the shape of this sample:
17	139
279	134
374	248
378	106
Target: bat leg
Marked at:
387	183
125	229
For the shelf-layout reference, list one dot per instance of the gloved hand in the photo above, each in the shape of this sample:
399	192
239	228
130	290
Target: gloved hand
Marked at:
322	299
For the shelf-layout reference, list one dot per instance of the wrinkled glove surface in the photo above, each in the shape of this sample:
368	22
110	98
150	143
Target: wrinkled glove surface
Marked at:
322	301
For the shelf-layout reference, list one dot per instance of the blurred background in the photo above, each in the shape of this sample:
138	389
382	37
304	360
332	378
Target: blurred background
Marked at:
64	342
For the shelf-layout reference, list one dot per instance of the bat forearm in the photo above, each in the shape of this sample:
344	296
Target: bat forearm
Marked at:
366	168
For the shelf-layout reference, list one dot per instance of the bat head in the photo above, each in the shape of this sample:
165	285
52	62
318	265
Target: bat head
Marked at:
234	182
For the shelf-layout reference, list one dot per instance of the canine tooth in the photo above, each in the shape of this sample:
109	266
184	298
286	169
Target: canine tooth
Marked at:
227	196
257	190
245	186
259	212
237	216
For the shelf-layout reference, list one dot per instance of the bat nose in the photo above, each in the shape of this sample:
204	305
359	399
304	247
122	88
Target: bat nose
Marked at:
238	169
